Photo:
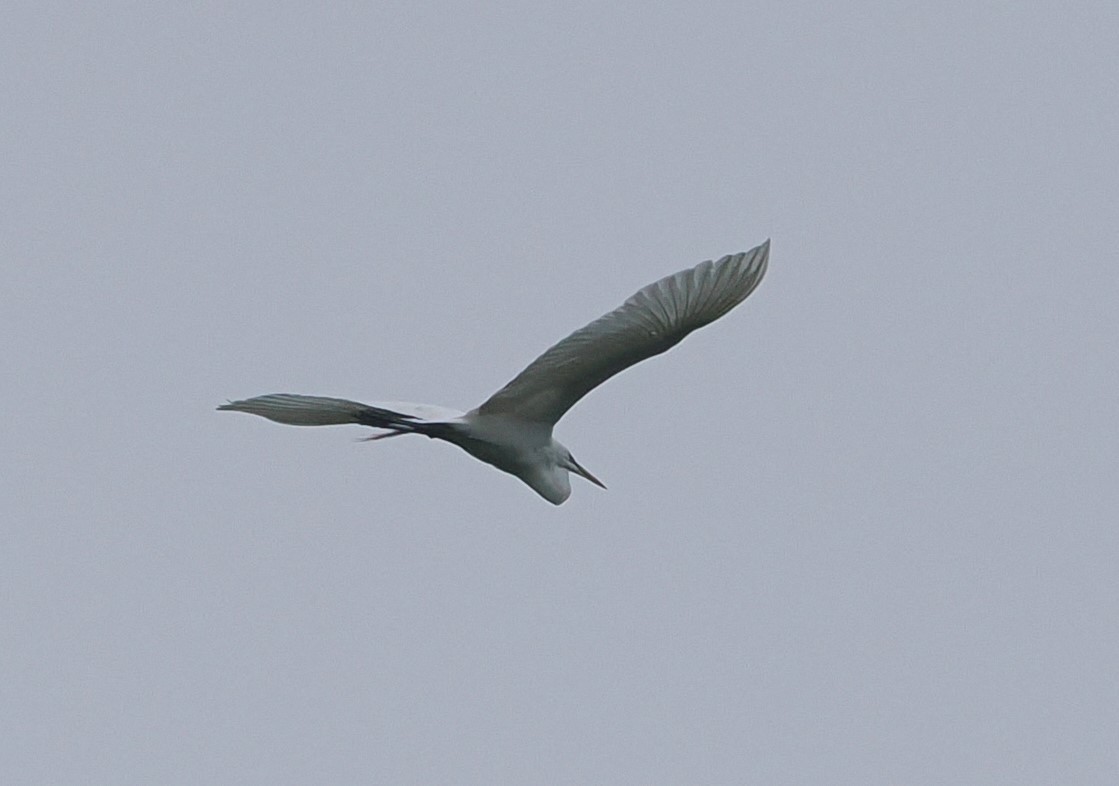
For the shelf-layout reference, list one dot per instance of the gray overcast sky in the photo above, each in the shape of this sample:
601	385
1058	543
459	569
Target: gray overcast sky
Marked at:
861	531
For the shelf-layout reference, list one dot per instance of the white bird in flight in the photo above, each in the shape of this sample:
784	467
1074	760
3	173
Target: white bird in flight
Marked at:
512	430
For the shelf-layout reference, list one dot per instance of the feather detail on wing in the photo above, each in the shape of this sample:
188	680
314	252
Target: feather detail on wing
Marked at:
650	322
297	410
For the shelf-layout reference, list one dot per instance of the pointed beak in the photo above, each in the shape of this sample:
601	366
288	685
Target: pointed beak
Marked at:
578	470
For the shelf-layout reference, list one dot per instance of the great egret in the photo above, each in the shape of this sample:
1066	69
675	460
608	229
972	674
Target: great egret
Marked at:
512	430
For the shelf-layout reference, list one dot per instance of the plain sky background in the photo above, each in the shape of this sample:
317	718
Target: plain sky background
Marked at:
863	530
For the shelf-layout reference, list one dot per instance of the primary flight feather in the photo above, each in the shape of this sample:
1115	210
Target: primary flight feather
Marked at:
512	430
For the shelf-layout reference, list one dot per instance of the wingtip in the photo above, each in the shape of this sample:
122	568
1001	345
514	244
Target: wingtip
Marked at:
761	257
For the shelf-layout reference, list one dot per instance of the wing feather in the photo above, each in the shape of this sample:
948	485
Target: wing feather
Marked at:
652	321
297	410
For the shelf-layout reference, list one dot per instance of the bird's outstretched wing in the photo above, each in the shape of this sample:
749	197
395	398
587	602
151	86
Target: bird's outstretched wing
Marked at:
652	321
295	410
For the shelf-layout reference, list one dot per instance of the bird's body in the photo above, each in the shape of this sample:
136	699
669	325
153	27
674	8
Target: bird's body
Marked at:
512	430
523	448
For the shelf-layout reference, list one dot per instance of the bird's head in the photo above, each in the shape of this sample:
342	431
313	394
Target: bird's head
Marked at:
549	475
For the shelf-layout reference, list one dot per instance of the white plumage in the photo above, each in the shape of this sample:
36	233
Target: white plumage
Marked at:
512	430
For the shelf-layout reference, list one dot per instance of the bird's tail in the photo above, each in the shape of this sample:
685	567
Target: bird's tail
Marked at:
295	410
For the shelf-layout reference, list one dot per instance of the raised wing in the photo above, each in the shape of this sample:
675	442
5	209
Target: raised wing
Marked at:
652	321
